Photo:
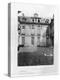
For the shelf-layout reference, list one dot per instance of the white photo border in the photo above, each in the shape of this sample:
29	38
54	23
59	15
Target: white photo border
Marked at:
31	70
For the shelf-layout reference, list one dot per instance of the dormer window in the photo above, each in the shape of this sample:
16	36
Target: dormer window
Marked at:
35	20
32	20
38	20
47	21
35	15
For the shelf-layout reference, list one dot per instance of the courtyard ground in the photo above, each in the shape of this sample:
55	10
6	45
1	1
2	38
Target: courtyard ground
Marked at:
40	56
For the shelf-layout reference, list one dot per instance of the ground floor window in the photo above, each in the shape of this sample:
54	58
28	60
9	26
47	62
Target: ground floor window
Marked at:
32	40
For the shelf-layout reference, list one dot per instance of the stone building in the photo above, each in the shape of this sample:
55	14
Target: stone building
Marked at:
32	30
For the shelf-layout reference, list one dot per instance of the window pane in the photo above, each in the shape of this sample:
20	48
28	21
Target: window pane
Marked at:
23	40
32	40
23	27
32	26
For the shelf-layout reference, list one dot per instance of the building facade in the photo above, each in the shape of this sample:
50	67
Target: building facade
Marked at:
32	30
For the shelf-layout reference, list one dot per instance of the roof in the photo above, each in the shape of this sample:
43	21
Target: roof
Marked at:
33	20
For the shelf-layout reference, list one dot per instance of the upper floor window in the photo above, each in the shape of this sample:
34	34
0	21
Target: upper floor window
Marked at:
38	25
22	33
24	19
38	35
23	27
23	40
32	34
19	27
32	26
32	40
19	32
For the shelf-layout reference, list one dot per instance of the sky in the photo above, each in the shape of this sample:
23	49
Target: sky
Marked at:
45	11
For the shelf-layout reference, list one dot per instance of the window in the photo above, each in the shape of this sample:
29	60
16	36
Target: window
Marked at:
32	34
35	20
23	27
38	41
32	26
38	20
32	20
23	34
19	32
38	34
47	21
24	19
38	38
38	25
32	40
23	40
19	27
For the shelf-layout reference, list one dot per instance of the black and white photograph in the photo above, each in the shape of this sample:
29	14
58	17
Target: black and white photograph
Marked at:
35	36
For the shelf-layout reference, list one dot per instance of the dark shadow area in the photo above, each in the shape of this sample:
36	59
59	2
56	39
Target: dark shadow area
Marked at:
44	56
8	75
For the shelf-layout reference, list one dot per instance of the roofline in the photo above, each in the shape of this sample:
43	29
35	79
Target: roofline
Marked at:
35	17
34	23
